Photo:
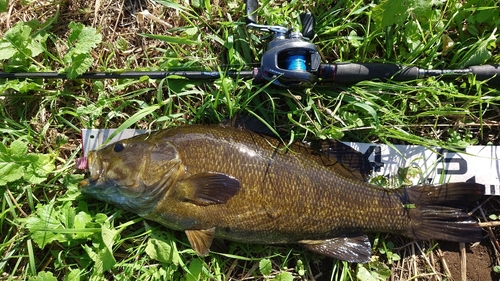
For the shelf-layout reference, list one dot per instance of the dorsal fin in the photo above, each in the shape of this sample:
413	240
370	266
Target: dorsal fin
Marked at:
353	164
248	122
335	152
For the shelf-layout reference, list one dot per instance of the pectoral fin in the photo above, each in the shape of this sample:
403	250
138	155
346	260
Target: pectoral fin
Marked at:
355	248
208	188
201	240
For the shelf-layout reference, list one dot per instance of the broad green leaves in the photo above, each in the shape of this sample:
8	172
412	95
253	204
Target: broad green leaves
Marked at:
101	251
19	45
67	225
16	164
390	12
43	276
63	224
374	271
162	249
22	45
81	41
480	52
265	266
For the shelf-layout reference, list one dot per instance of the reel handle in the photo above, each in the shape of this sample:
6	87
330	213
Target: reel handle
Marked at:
250	7
307	21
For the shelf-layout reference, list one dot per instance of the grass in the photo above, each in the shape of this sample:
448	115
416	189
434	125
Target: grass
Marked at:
50	231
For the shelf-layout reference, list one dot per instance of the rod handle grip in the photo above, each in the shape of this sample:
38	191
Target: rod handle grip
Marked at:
487	71
348	73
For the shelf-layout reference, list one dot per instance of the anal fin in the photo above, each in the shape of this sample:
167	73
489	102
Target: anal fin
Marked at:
201	240
353	248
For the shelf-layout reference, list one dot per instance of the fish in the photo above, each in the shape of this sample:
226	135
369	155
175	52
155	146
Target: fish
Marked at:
229	182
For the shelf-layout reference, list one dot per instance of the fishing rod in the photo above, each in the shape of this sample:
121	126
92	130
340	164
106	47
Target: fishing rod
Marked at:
291	60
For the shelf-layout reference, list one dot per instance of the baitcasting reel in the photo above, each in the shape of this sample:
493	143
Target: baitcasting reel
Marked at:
290	60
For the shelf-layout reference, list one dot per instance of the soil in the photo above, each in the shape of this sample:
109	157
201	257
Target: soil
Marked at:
479	262
444	262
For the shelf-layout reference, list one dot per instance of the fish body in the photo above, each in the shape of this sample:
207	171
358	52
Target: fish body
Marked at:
233	183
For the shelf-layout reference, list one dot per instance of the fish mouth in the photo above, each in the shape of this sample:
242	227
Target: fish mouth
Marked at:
95	168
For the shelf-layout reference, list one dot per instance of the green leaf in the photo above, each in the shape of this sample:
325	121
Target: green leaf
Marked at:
9	171
420	8
67	216
20	40
83	37
299	267
101	251
375	271
80	221
18	147
17	163
364	275
39	166
82	40
487	14
74	274
196	3
42	224
479	53
6	50
265	266
18	35
43	276
108	237
390	12
369	109
195	268
161	248
97	268
283	276
20	86
4	5
77	64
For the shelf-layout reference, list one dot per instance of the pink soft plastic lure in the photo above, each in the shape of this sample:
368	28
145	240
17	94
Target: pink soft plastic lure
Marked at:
82	163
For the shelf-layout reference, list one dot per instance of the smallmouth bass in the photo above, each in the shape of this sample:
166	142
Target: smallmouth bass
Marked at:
235	184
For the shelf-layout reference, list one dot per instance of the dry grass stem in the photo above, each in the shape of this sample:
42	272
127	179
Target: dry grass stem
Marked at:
15	203
463	261
443	262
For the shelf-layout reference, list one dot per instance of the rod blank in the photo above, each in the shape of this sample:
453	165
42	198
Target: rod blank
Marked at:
128	75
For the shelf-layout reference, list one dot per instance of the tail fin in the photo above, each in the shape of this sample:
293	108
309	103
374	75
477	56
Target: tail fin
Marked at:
439	214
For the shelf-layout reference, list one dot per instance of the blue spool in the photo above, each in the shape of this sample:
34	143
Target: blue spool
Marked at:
296	62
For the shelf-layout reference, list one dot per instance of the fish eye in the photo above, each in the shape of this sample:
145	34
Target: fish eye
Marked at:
118	147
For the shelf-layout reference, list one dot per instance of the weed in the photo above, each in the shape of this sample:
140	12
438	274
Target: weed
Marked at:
50	231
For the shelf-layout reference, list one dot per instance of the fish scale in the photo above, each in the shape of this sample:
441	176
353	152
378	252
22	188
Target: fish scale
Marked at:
232	183
280	185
